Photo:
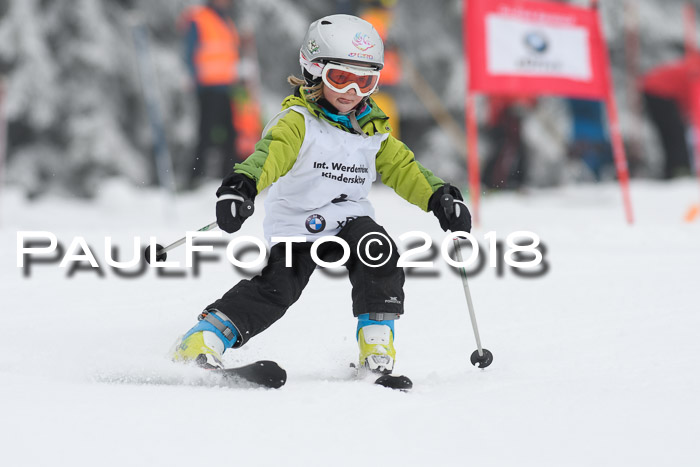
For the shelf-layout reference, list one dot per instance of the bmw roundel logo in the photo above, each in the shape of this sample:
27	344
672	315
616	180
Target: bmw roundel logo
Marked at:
315	223
537	42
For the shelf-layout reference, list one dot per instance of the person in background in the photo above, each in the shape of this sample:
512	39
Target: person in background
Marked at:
380	14
589	139
506	166
212	56
667	93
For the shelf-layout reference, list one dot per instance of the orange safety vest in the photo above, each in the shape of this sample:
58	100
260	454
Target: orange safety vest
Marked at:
391	73
216	57
381	19
247	122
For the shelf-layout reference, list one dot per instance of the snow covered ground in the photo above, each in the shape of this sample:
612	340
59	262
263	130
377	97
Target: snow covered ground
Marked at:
597	362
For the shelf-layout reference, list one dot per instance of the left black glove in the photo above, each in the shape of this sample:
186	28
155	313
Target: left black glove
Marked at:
453	215
234	206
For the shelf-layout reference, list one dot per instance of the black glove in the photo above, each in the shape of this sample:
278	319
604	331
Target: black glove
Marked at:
234	206
458	218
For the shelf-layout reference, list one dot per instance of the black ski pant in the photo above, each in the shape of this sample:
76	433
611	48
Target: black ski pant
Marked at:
253	305
216	131
669	123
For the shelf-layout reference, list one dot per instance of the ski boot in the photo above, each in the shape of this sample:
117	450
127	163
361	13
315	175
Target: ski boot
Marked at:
375	337
207	340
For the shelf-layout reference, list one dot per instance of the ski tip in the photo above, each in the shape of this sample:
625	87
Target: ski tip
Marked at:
274	375
400	382
265	373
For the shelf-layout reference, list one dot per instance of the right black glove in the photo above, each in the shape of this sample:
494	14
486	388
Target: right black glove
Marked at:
453	215
236	194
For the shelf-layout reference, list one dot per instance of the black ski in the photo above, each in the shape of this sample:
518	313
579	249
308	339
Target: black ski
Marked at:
264	373
400	382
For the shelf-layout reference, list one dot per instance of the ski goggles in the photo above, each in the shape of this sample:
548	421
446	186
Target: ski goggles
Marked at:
342	78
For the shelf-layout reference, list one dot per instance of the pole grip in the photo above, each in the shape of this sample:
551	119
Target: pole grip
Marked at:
447	201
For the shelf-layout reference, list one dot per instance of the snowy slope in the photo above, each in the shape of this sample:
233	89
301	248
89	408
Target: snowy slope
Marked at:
596	363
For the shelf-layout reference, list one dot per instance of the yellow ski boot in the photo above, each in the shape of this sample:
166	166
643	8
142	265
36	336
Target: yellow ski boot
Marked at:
206	342
376	342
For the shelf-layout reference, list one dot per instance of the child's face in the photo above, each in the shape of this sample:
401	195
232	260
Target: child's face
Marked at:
344	102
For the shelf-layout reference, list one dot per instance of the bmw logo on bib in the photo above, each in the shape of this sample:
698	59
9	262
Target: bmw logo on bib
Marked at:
315	223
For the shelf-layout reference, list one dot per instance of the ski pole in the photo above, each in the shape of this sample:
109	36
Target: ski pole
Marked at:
481	357
247	209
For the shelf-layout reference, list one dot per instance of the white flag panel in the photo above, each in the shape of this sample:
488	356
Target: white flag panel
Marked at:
516	46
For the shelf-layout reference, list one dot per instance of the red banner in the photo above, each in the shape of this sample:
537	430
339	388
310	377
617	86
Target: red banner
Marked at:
530	48
695	118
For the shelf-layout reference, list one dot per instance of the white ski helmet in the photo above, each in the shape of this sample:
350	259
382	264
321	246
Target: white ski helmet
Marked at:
343	38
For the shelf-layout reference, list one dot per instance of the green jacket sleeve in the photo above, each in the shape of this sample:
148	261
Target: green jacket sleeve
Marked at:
401	171
276	152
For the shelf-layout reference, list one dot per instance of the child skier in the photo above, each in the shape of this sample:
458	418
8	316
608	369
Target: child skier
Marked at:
320	156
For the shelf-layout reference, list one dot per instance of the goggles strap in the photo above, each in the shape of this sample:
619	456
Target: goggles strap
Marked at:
356	126
310	79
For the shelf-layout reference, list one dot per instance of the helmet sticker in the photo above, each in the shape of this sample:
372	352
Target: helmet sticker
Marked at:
361	56
313	47
361	41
